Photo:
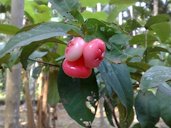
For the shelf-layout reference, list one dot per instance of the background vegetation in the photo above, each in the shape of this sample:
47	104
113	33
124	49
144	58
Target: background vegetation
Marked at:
133	80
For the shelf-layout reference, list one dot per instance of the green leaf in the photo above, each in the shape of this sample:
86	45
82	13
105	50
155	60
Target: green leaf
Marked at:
77	15
154	52
53	94
157	19
137	125
117	79
40	32
96	15
5	2
119	5
162	30
65	6
29	49
94	28
147	109
92	3
119	39
163	94
155	76
125	123
4	61
79	97
37	13
131	24
142	39
8	29
139	65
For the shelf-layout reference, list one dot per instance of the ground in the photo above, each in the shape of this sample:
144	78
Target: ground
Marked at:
64	121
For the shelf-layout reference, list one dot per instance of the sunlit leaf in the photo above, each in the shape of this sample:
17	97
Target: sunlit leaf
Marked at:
8	29
92	3
97	15
37	13
162	30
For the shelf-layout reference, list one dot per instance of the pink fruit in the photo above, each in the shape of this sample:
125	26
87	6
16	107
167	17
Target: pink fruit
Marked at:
74	49
76	69
93	53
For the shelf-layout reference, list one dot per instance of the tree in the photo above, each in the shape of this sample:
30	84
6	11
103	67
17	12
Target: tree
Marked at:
13	80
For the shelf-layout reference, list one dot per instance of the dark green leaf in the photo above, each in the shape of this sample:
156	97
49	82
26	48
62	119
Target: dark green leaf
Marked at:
79	97
164	94
155	76
117	79
41	32
137	125
157	19
53	94
147	109
8	29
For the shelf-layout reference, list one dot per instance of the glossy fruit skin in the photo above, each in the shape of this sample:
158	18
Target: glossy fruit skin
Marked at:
74	49
94	53
76	69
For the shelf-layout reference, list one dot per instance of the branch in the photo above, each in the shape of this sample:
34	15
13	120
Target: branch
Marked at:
42	62
113	111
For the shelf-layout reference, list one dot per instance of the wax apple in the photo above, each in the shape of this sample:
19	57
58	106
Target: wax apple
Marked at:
94	52
76	69
74	49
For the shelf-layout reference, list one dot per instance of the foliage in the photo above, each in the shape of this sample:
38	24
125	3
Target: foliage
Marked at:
136	65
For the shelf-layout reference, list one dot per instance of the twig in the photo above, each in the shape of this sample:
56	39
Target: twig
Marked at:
42	62
113	111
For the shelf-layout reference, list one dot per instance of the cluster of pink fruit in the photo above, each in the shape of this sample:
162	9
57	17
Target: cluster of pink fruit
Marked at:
81	57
